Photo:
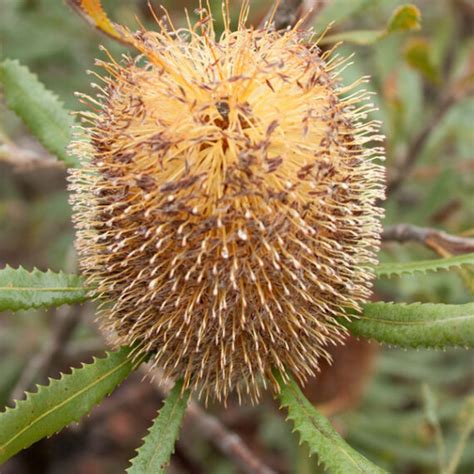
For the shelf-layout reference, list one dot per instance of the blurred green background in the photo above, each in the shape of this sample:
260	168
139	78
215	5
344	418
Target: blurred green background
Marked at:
393	421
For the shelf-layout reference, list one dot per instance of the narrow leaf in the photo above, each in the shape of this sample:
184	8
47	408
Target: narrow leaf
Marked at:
21	289
63	401
432	418
39	108
154	455
466	272
467	275
466	428
408	268
416	325
361	37
318	433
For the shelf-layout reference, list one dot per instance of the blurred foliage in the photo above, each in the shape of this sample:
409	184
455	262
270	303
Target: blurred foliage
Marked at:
411	72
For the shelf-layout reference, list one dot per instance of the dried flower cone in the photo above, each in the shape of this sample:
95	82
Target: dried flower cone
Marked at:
226	207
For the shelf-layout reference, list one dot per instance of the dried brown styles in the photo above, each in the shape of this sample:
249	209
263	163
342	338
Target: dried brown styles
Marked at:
226	208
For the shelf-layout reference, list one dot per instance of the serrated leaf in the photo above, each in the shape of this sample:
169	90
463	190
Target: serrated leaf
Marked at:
63	401
409	268
39	108
21	289
154	455
416	325
318	433
465	272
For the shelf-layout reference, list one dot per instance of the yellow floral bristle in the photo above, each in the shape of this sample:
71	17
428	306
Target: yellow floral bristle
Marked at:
226	208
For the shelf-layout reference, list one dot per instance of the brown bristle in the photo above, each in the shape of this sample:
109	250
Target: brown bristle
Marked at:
226	206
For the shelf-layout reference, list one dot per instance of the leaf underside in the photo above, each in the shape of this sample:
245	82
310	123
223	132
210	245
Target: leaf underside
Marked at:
408	268
39	109
318	433
154	455
22	289
416	325
63	401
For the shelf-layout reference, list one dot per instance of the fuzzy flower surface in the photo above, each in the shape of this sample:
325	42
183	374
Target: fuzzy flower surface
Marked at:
226	207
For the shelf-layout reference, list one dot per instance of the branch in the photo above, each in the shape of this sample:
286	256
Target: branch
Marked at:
229	443
24	159
66	320
417	145
461	88
432	238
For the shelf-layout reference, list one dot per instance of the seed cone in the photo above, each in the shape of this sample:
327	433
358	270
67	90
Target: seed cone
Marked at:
226	205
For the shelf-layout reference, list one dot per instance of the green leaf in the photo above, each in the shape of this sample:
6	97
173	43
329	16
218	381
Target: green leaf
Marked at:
21	289
416	325
466	428
318	433
39	108
154	455
361	37
63	401
389	270
404	18
467	276
418	55
408	268
432	418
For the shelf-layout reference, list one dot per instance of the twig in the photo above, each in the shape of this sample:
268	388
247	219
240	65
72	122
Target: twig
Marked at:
416	146
185	460
289	12
127	395
228	442
458	90
25	159
433	171
65	323
432	238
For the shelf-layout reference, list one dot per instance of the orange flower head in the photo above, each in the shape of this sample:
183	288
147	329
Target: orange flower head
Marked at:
226	207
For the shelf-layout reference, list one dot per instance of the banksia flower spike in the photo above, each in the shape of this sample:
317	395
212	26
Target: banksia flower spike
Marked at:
226	208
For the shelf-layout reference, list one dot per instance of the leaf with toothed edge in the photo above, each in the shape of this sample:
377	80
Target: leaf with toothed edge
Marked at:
408	268
154	455
63	401
416	325
21	289
318	433
39	108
